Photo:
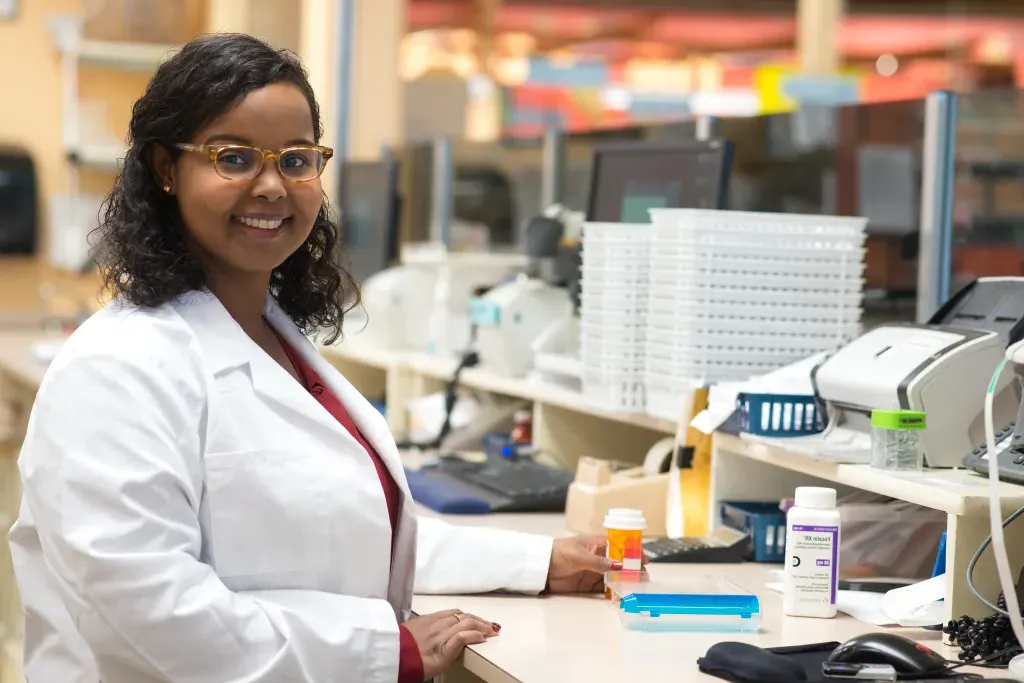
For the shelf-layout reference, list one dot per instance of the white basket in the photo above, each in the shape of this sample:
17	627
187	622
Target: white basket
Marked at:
669	324
711	294
668	355
674	305
614	391
697	336
670	257
664	395
707	371
759	225
670	280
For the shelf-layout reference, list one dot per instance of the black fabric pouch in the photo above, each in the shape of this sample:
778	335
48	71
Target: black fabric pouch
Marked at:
746	663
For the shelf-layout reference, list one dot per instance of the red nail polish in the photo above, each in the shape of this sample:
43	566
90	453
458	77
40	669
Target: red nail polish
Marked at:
496	627
616	566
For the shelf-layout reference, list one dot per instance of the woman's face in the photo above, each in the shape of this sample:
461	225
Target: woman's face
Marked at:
248	226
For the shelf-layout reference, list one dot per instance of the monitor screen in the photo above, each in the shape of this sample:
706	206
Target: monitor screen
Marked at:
369	217
496	188
629	180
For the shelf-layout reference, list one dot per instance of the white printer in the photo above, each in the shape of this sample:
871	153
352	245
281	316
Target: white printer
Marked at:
943	371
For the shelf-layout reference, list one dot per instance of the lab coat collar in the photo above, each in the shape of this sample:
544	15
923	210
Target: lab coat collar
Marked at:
226	346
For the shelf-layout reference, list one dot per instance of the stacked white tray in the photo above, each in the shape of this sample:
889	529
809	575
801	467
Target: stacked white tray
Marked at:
736	294
613	313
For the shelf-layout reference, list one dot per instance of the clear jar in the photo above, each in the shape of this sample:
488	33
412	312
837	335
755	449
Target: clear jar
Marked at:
896	440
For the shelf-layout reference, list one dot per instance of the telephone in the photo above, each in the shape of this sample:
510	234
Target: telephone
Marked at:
1009	452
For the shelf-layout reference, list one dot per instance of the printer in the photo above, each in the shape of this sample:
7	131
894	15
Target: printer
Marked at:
941	370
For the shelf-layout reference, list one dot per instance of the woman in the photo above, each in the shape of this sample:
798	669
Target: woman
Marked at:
205	499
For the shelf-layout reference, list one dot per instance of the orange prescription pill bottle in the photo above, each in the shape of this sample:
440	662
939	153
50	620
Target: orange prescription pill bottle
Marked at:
625	528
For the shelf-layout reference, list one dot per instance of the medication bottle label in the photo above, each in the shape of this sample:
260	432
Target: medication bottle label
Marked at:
812	557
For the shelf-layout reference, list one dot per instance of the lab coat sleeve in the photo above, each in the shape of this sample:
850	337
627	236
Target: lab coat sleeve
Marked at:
113	481
460	559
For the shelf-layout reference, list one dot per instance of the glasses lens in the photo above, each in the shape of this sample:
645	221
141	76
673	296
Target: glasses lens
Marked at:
303	163
239	162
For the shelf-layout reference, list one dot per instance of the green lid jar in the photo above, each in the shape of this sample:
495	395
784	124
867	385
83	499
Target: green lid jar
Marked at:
898	419
896	439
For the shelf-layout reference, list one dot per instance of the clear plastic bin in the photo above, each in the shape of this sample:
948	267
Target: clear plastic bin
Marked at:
888	538
683	604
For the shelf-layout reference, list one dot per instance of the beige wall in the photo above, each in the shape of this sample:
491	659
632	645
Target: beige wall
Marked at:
30	78
30	108
31	86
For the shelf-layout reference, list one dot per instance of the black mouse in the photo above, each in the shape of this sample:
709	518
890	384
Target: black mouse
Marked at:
902	654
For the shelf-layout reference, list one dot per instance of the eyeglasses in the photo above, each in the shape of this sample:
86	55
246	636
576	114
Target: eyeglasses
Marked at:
241	162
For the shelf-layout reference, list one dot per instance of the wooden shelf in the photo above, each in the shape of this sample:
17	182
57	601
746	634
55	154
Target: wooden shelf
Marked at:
955	492
481	379
744	469
102	156
373	358
124	55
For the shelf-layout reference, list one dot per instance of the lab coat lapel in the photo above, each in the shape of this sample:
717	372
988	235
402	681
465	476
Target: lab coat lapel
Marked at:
375	429
369	421
227	346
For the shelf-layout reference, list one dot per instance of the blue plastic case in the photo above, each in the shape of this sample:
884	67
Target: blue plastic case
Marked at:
691	604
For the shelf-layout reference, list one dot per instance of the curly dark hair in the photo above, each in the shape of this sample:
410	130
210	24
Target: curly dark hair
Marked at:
140	246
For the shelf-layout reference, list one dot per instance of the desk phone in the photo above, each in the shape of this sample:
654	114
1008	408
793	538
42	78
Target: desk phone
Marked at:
721	546
1009	453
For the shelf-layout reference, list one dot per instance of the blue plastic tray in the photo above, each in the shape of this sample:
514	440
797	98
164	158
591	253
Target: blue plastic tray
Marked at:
764	523
779	415
684	604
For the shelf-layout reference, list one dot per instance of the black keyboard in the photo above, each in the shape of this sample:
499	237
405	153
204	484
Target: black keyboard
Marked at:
724	545
507	486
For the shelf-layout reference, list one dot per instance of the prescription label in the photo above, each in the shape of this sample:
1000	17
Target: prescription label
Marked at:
812	556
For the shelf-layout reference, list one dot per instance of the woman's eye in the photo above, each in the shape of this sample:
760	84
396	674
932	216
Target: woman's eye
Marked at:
232	159
293	161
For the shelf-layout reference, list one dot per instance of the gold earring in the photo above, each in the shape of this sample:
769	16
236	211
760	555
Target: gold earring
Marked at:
167	188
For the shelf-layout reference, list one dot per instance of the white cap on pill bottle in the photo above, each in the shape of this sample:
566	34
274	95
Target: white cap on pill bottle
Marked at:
626	519
815	497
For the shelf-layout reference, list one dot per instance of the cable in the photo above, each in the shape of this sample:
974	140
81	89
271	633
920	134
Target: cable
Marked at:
995	517
977	556
467	360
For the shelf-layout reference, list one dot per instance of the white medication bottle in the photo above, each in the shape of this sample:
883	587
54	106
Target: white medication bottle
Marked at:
812	554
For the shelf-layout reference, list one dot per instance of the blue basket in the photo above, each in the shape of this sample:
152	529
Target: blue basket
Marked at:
779	414
764	523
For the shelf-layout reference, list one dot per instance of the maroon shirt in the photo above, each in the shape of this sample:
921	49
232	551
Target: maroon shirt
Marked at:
410	663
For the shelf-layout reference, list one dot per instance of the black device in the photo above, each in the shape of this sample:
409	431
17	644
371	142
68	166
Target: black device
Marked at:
993	304
629	179
904	655
871	672
370	214
720	546
1009	454
19	200
457	486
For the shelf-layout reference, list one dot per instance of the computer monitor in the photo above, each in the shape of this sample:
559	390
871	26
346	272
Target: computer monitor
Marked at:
629	179
369	216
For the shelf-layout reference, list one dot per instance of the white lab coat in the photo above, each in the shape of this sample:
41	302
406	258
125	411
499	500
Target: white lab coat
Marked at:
192	514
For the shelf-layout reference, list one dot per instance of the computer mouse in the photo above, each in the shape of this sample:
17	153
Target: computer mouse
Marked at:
902	654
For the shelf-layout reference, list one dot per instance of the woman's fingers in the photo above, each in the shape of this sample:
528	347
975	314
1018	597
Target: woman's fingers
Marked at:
469	630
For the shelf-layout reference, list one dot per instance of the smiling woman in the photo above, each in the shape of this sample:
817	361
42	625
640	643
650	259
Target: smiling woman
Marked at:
205	497
221	189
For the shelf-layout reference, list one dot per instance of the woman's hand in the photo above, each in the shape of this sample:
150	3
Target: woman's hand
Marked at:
578	565
442	636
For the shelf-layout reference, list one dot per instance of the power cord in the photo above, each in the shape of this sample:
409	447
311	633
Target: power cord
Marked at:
991	638
974	562
468	359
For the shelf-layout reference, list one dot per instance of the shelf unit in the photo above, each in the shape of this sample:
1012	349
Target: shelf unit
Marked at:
745	469
565	425
568	427
73	215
